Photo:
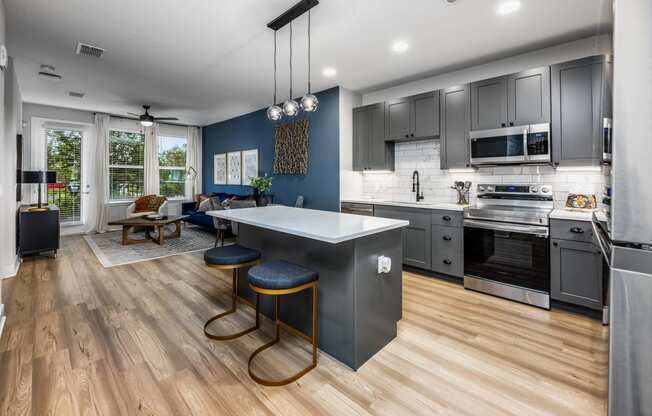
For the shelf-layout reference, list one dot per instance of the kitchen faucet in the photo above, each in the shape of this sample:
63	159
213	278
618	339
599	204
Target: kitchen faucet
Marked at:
415	185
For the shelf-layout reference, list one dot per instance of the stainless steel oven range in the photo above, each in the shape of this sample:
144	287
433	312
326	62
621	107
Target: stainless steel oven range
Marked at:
506	237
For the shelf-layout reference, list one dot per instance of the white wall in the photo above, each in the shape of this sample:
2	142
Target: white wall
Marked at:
594	45
2	89
350	181
10	116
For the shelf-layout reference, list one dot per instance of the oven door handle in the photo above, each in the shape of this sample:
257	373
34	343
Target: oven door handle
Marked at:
512	228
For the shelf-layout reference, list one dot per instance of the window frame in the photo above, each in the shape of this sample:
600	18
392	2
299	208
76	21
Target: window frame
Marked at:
109	165
183	195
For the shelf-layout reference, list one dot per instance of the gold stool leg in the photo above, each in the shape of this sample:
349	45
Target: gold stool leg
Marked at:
234	308
276	339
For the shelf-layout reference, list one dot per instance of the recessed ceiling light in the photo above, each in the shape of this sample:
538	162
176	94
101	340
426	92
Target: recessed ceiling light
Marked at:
329	72
508	7
400	46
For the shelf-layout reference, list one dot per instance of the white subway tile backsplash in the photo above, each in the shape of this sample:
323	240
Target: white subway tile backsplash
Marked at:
436	183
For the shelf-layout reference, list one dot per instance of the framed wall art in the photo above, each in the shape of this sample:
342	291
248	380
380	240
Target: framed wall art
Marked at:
234	168
249	165
219	169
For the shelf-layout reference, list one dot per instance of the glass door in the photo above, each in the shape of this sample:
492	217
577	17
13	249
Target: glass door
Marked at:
64	156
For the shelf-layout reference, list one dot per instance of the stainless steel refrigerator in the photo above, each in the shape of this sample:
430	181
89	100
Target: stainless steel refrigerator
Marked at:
626	237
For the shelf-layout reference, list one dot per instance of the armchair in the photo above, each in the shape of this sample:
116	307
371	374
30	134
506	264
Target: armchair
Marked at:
155	205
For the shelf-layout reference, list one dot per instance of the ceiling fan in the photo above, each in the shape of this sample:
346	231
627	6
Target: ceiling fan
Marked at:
146	120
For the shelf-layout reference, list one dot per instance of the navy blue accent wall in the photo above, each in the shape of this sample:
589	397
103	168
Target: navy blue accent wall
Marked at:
320	187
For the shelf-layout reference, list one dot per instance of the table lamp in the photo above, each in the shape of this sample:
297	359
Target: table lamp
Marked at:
39	177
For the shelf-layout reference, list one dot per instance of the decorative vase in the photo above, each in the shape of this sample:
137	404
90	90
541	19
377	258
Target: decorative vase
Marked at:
260	198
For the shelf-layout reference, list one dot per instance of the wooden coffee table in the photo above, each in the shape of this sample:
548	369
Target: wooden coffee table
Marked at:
150	225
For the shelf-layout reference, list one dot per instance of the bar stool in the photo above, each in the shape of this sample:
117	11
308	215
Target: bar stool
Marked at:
233	257
279	278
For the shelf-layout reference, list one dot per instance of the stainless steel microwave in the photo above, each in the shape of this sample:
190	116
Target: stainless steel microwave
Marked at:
511	145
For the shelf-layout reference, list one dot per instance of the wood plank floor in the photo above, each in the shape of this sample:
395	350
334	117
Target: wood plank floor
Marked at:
84	340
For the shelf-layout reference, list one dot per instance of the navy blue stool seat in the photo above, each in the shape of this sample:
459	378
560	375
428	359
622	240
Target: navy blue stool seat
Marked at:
233	257
280	274
230	255
277	278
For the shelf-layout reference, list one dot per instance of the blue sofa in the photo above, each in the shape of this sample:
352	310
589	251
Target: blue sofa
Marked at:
200	218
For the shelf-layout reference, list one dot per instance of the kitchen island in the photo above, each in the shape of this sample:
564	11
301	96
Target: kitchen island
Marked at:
358	307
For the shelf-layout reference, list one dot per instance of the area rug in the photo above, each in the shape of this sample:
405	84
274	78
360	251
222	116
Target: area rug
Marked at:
110	252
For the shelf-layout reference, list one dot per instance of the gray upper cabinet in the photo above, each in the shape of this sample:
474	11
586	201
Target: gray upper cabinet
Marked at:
412	118
576	273
370	150
489	104
581	98
397	119
455	120
512	100
528	97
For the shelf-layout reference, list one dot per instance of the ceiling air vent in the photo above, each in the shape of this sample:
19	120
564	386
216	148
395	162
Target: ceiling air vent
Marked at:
76	94
84	49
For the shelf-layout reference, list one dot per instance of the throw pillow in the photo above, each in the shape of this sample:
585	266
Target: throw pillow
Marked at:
205	205
155	202
142	203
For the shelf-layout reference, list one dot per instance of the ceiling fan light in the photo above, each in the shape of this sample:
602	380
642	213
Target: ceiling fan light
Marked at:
309	103
274	113
146	123
290	108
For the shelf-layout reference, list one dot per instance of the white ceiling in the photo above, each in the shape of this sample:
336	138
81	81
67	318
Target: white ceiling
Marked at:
205	61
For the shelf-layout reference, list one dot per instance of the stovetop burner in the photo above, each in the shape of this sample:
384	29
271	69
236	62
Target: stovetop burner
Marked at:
522	204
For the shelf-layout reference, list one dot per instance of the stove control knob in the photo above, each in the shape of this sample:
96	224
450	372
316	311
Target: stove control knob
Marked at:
490	188
481	188
545	190
534	190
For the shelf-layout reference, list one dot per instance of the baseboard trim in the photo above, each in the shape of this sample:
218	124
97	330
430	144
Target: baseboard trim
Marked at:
10	270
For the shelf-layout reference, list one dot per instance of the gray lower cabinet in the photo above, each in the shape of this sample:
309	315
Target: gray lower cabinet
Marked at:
434	240
416	236
448	250
370	150
581	99
576	273
455	119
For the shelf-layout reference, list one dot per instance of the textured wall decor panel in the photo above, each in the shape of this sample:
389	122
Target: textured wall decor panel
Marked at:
291	148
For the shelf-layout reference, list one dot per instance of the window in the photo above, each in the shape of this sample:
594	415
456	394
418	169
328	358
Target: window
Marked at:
126	165
172	165
64	157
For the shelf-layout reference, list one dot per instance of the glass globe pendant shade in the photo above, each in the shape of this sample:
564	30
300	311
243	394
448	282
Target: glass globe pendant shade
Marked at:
274	113
309	103
291	108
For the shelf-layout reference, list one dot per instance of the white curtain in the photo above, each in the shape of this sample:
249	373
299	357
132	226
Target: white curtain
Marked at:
194	160
152	176
96	217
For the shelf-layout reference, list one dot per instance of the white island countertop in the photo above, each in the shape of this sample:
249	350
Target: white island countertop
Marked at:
327	226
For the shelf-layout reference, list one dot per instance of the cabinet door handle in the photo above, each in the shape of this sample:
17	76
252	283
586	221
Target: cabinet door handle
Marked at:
577	230
412	135
511	123
448	262
502	124
447	238
446	218
407	135
555	244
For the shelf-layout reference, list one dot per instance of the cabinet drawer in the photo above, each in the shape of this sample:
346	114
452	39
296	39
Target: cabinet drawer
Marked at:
571	230
418	217
448	250
449	218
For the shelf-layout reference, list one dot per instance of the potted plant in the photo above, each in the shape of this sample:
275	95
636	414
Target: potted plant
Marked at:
261	185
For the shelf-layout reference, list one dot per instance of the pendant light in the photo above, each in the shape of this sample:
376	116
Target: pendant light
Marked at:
274	112
291	107
309	102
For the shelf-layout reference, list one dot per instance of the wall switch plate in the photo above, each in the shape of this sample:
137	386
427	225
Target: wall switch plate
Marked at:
384	264
3	57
